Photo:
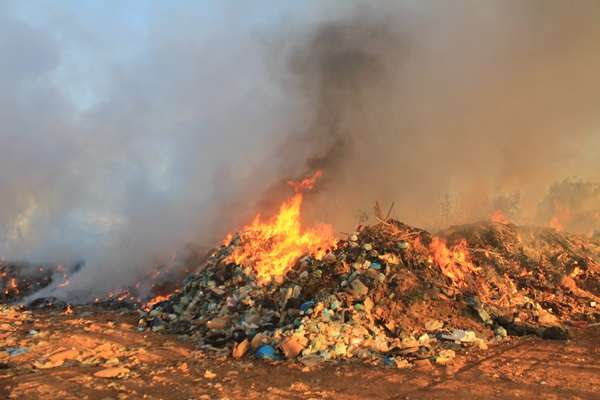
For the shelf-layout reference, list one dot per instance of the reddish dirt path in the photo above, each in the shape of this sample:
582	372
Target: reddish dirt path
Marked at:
67	351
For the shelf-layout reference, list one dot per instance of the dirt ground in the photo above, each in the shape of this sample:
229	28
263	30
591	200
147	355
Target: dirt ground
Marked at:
98	354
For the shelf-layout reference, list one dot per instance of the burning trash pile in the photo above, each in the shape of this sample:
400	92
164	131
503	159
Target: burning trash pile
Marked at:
388	293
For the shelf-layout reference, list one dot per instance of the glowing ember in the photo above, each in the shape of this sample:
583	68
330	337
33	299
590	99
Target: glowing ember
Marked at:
271	248
12	287
455	262
498	217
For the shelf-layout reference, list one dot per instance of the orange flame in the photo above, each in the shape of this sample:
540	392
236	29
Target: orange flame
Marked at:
556	224
306	183
271	248
155	300
498	217
562	216
455	263
12	287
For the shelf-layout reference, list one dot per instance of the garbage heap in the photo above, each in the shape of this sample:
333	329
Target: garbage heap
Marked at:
391	294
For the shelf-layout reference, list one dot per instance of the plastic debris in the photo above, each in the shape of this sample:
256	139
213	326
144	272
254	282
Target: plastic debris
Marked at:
16	351
267	352
240	349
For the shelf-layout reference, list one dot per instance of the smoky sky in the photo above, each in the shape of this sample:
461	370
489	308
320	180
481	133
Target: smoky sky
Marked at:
129	134
471	102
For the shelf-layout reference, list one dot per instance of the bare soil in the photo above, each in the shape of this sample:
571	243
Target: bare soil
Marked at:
69	349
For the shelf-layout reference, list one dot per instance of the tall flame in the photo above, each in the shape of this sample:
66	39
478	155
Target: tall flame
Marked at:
272	247
454	262
498	217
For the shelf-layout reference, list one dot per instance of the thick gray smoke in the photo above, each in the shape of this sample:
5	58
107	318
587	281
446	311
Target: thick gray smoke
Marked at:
452	111
444	108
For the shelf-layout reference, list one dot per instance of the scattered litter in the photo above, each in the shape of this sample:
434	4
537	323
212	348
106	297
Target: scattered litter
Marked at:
267	352
16	351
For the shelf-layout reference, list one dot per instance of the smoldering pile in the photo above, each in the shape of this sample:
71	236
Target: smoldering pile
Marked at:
393	294
20	279
48	286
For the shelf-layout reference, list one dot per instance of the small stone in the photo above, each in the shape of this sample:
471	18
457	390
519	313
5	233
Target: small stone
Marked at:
341	349
359	289
459	335
48	364
208	374
423	365
114	361
114	372
547	319
217	323
445	357
368	305
64	355
481	344
401	363
424	339
501	331
555	333
433	325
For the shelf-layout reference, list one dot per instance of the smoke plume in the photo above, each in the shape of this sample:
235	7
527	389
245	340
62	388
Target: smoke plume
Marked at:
121	145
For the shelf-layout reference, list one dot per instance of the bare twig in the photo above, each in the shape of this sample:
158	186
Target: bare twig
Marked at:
390	211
